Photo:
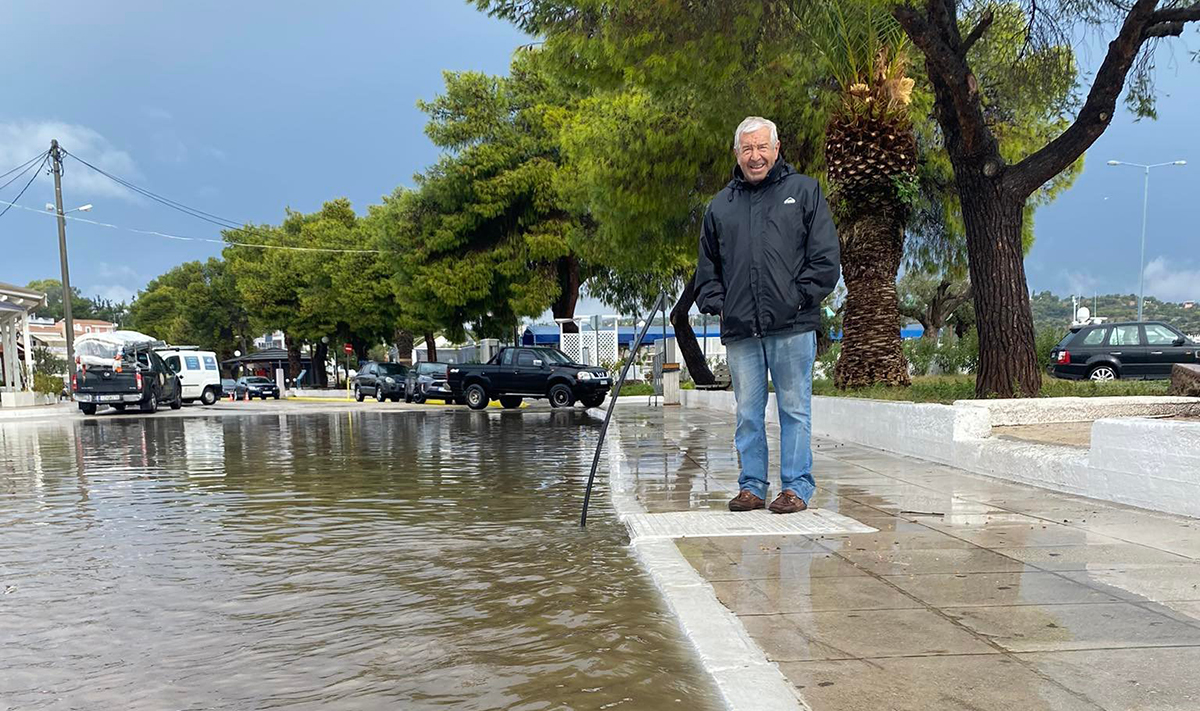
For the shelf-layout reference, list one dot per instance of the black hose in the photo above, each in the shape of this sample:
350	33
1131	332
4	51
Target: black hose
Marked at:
661	304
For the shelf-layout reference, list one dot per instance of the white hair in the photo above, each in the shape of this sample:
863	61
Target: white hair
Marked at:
753	123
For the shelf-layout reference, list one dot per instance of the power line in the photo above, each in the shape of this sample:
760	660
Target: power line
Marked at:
32	178
175	205
182	238
24	166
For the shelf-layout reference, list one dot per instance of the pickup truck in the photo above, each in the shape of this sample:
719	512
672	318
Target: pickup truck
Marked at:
121	369
514	374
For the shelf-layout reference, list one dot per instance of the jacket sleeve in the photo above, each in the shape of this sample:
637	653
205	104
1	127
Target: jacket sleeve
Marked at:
710	283
821	269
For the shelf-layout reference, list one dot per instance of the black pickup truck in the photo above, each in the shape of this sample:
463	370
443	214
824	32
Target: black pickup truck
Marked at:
514	374
121	371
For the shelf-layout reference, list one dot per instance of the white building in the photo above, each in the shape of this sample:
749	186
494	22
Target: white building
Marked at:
15	340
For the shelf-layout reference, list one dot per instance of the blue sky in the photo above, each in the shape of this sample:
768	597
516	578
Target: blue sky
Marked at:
243	109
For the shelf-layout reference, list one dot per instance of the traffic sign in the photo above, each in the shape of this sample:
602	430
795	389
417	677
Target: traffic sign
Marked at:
348	348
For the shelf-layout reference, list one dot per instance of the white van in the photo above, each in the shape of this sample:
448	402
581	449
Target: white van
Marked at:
198	372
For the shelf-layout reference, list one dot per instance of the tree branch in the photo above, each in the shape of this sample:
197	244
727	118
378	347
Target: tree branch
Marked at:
984	23
1191	13
1097	111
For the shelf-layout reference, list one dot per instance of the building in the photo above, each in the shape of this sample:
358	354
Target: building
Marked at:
49	334
270	341
16	344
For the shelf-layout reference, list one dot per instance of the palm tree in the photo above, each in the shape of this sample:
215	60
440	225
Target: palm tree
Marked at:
871	159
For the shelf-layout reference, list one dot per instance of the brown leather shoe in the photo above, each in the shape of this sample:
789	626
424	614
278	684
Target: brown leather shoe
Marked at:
746	501
787	502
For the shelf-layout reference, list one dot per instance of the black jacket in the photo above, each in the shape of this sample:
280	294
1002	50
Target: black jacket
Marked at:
768	255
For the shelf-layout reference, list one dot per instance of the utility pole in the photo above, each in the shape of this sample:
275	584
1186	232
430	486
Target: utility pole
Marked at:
68	321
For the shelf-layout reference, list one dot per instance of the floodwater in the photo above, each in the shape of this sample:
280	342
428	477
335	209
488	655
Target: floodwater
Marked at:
338	561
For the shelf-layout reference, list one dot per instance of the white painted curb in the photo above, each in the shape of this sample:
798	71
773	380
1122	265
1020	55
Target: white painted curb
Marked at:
746	679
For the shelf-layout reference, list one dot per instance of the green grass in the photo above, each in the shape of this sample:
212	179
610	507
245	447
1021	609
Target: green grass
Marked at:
636	389
948	388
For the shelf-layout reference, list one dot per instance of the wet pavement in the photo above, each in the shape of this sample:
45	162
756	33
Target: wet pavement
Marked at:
334	557
973	594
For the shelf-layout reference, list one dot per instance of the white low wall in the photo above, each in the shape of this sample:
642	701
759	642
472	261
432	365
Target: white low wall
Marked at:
1154	464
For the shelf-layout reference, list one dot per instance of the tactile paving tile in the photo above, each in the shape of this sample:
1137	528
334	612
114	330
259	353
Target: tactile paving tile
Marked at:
703	524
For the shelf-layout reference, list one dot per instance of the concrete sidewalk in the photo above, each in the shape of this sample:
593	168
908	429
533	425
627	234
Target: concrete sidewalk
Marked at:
973	593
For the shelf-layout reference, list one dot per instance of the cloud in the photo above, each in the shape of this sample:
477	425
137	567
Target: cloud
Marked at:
1169	284
1080	282
113	292
20	141
156	113
118	271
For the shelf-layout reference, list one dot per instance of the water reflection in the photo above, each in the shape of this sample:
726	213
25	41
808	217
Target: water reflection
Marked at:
382	560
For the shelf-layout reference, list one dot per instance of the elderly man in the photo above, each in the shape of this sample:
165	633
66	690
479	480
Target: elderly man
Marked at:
768	256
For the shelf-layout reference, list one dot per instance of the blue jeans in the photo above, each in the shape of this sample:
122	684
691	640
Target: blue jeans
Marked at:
789	358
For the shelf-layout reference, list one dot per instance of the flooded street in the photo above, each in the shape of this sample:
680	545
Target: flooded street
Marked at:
352	560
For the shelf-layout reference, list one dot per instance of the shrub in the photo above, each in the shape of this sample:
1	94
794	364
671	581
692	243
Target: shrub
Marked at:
919	352
47	384
1045	340
826	361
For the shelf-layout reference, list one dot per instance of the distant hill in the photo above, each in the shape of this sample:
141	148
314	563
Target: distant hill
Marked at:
1055	311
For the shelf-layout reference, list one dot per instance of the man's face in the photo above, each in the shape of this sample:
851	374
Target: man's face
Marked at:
756	155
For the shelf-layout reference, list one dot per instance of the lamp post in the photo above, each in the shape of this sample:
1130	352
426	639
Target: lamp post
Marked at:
1145	206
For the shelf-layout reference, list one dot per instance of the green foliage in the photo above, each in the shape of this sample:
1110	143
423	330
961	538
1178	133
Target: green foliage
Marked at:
480	240
47	384
919	352
81	306
958	355
1051	311
1046	338
827	360
348	296
1028	91
949	388
45	361
196	303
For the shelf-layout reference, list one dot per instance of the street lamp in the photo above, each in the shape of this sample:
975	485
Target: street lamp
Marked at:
1145	205
81	208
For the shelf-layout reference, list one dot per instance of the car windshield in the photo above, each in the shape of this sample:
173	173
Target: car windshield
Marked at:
391	369
258	381
550	355
433	369
1068	337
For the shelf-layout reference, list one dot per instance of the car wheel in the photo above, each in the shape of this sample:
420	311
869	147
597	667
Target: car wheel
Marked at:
419	398
592	401
477	398
87	408
150	405
561	396
358	394
379	396
510	402
208	397
1103	373
177	402
276	396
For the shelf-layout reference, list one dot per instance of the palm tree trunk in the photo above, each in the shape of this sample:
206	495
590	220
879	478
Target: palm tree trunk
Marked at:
872	247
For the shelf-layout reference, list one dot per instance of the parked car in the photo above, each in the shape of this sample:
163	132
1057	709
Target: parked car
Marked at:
228	386
197	372
120	369
428	381
383	381
514	374
256	386
1130	350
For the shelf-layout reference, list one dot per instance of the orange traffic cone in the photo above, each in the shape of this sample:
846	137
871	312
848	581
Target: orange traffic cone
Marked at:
246	395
